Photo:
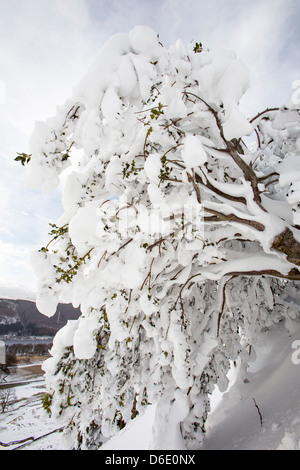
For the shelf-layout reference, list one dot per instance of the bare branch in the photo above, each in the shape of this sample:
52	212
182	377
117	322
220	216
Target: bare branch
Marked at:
218	191
268	110
232	218
12	443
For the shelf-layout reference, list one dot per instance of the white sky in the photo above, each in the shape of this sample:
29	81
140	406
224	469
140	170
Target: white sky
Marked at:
47	45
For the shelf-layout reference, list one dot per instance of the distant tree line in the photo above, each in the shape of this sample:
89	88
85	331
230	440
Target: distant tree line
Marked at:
15	328
40	349
25	329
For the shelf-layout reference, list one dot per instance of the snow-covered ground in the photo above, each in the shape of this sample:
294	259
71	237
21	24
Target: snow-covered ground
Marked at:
261	413
274	386
26	418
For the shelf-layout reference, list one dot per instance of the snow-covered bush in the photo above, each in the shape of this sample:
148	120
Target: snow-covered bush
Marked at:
178	241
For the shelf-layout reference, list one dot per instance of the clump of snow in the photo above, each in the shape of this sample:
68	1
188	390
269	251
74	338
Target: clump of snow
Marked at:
166	432
289	170
193	153
91	90
155	194
82	228
144	40
84	341
236	125
111	106
46	303
171	95
152	168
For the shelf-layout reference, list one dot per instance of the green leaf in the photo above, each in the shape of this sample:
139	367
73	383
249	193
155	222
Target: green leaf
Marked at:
198	47
23	158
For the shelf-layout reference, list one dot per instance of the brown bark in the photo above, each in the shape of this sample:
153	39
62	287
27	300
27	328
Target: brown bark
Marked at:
286	243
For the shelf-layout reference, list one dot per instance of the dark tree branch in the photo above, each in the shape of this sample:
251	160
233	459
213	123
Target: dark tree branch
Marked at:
232	218
219	192
268	110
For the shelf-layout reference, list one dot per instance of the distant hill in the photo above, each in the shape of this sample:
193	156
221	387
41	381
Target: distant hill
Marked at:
22	318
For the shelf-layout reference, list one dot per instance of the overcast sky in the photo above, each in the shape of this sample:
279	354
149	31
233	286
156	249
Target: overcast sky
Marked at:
47	45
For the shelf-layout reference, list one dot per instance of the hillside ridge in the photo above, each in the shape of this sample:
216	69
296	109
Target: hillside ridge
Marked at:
21	318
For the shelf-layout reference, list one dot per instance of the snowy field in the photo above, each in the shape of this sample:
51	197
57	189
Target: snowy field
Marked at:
25	419
263	413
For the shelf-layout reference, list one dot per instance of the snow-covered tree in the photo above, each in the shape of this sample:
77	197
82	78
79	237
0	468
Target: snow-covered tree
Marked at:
179	242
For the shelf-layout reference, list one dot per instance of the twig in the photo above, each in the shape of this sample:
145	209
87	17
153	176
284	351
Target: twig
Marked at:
148	276
145	143
103	256
68	116
258	139
258	410
132	324
191	179
263	112
129	300
150	109
121	247
150	247
40	437
12	443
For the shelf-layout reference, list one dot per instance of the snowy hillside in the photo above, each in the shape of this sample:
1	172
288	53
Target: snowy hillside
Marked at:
21	317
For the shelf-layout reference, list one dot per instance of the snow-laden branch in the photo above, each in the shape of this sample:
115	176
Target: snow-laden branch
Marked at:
177	240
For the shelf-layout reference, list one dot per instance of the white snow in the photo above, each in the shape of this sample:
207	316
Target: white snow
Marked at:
82	228
126	77
289	170
225	79
234	423
171	95
84	341
113	175
236	125
46	302
166	433
111	106
156	196
144	40
193	153
90	90
274	384
152	168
